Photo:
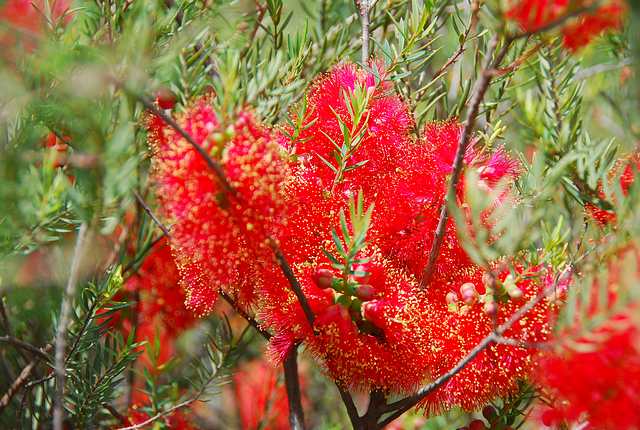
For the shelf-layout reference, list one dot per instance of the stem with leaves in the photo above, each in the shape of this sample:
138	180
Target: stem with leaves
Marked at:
61	331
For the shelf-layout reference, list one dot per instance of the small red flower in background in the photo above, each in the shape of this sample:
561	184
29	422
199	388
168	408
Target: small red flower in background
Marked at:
631	166
596	378
26	21
220	239
159	309
577	33
261	397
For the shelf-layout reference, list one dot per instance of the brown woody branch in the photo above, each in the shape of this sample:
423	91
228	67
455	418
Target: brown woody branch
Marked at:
24	375
480	89
292	385
25	346
490	70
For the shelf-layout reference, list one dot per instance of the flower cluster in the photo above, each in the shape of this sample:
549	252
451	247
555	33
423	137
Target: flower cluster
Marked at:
374	326
578	32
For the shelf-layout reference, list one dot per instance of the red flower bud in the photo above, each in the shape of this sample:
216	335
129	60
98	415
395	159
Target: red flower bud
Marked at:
489	412
468	293
365	292
477	425
451	298
323	278
490	308
362	279
373	311
166	98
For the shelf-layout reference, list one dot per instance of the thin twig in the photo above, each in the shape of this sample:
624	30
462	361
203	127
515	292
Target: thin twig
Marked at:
25	346
149	212
251	320
292	384
293	281
61	332
211	163
114	413
22	378
16	385
261	11
5	318
465	137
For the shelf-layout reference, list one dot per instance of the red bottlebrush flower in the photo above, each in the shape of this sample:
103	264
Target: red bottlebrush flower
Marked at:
598	373
160	303
223	237
261	400
409	213
533	14
591	383
27	15
379	345
589	26
363	350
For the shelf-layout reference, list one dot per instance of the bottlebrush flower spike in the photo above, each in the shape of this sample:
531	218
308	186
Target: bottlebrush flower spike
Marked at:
28	16
411	210
577	33
385	121
496	370
631	166
222	237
